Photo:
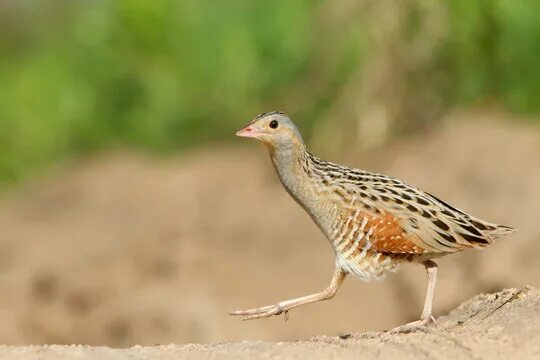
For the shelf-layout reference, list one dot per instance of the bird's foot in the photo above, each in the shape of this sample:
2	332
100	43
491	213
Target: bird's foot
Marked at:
414	326
262	312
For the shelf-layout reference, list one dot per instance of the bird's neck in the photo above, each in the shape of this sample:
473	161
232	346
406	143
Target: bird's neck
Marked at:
289	163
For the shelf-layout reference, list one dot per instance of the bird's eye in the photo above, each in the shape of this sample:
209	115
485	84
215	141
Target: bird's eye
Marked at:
273	124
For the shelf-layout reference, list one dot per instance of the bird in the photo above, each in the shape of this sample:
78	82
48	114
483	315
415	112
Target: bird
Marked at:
374	222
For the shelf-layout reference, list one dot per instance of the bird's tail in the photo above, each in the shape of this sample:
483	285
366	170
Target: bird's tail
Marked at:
500	230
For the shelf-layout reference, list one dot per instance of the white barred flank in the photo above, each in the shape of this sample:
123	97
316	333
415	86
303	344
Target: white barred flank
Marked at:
368	268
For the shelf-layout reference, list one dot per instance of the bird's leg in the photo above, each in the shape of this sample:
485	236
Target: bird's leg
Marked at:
285	306
426	317
431	269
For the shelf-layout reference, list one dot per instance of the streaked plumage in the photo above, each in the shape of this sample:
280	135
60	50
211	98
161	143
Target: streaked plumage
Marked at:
373	221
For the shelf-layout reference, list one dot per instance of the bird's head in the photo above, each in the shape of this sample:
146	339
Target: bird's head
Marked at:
275	129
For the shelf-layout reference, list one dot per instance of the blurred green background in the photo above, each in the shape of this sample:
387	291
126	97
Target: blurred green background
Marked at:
80	76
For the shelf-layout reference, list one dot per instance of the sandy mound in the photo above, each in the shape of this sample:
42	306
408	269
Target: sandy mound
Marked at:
502	325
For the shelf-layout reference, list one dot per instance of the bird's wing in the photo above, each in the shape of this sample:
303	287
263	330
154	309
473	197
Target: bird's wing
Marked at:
405	220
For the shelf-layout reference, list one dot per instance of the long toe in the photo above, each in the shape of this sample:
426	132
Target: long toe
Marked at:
251	311
414	326
259	313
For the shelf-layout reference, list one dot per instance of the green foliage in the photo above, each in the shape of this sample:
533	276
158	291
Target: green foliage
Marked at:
491	51
159	74
78	76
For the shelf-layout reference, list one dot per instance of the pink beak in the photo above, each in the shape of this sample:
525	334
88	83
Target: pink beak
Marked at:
248	131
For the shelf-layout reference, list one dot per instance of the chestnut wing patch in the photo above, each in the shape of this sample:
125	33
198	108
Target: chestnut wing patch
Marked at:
381	232
388	236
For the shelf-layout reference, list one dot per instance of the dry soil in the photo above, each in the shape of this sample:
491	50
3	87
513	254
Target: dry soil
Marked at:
503	325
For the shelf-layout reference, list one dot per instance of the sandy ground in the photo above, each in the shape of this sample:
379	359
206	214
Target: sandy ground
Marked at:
125	250
502	325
